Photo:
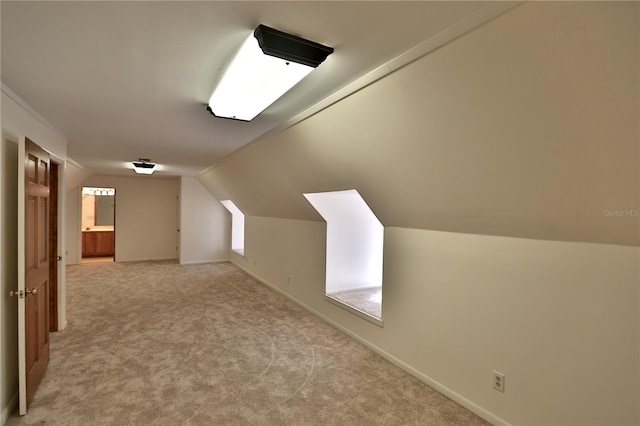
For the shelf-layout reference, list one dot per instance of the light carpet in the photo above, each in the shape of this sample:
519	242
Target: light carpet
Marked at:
165	344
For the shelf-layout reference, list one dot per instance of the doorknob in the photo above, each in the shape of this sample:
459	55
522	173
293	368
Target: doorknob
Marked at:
33	291
58	258
18	293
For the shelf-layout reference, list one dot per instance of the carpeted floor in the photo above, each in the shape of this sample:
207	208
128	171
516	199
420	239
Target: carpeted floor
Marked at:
165	344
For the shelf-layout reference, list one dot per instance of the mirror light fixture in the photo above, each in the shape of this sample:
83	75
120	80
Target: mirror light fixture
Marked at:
144	166
86	190
269	63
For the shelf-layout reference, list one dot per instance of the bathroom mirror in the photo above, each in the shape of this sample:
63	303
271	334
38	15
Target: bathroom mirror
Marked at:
105	209
98	207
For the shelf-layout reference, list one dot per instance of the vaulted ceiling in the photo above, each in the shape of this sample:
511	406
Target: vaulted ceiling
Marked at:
124	80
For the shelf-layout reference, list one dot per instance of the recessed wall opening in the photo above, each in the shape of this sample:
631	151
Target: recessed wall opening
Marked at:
355	239
237	226
98	224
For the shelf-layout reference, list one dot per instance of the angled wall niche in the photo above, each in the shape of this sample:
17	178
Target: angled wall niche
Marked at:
237	226
355	240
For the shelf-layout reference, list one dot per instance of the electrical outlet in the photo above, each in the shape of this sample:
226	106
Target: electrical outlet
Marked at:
498	381
288	279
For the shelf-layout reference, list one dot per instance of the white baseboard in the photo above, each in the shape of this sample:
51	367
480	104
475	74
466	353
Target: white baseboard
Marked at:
6	411
469	405
160	259
201	262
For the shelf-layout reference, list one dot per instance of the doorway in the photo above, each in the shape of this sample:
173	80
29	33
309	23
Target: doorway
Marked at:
98	224
57	271
54	257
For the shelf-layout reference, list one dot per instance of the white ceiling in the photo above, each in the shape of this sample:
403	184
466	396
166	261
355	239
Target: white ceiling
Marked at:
124	80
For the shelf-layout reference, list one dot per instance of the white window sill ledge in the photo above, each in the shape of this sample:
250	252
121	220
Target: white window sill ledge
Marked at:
355	311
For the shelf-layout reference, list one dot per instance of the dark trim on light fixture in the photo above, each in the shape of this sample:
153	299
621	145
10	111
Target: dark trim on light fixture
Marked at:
226	118
268	64
143	166
291	48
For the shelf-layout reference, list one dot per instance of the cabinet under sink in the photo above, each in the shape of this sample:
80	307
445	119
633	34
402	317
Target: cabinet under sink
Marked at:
98	243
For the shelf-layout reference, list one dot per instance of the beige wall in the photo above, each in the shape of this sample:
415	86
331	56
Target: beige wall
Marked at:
73	249
75	175
146	216
88	211
18	120
204	225
559	319
495	163
9	273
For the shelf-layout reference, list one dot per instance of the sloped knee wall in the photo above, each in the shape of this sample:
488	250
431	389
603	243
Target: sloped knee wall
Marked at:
525	127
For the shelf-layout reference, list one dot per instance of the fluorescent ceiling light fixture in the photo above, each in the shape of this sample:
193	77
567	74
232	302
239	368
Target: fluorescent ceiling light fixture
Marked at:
269	63
143	166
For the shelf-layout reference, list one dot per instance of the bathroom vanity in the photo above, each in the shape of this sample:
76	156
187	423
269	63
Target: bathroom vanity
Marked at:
97	242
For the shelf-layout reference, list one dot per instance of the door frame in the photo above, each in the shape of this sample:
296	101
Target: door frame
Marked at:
60	296
53	245
21	274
